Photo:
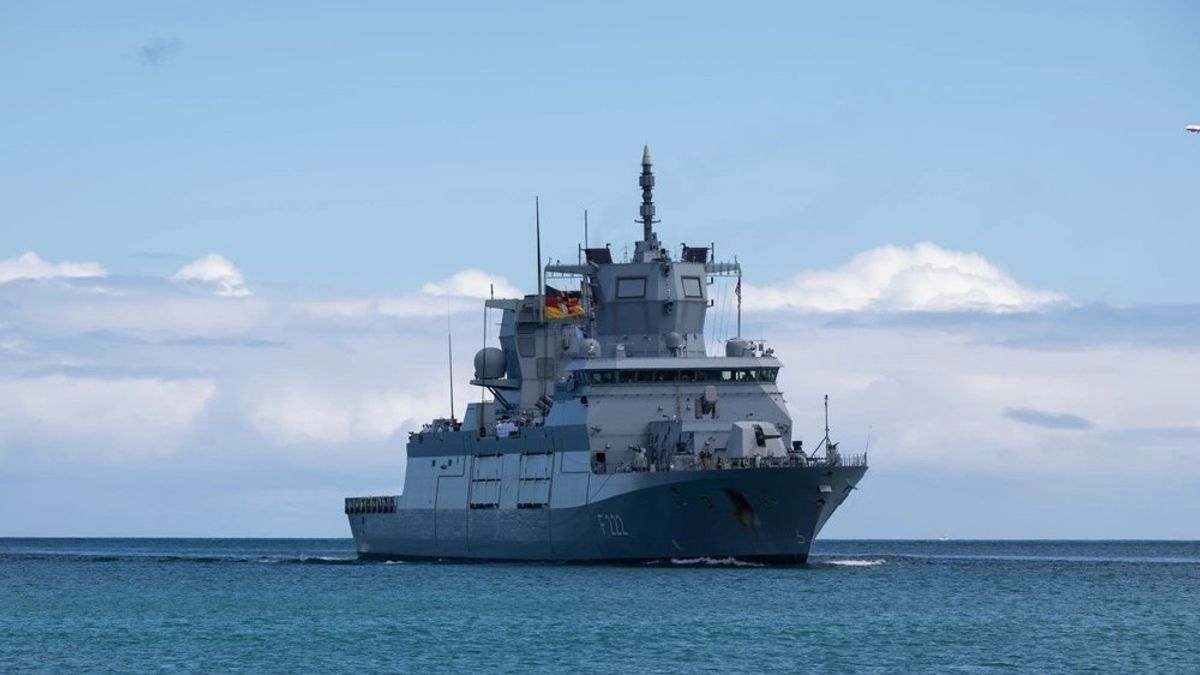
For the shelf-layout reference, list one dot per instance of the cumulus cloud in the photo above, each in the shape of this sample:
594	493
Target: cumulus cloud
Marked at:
411	306
216	270
100	419
471	283
266	388
925	277
935	395
306	414
460	292
30	265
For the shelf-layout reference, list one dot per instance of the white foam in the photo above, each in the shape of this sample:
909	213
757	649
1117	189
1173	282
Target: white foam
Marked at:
728	562
856	563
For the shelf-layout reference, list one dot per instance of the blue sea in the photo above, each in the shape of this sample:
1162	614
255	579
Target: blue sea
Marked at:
219	605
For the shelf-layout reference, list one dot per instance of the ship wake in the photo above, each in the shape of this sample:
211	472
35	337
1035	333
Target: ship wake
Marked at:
713	562
854	562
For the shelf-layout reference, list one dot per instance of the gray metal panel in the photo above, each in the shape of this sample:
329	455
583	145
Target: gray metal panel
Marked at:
526	346
751	514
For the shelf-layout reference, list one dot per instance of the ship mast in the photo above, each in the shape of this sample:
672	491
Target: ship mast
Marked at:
648	248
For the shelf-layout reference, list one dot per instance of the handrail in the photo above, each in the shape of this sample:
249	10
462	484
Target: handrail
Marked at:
687	462
381	504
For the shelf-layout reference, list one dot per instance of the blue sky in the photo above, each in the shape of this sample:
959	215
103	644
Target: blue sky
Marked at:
317	144
347	165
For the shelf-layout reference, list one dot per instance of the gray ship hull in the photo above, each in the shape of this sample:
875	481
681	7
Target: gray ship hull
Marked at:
754	514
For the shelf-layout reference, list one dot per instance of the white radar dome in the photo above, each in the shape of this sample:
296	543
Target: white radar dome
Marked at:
737	347
489	364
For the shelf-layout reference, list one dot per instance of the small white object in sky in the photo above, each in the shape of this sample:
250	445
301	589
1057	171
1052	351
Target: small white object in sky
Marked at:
1194	128
215	269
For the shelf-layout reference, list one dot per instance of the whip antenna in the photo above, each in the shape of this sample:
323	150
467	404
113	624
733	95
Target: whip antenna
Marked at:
450	358
541	290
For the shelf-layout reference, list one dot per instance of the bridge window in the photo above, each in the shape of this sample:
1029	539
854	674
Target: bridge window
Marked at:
692	287
631	287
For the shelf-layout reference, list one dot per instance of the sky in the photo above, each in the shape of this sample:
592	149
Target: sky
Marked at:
230	235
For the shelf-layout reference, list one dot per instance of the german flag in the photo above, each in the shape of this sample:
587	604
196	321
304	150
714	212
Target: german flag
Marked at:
563	304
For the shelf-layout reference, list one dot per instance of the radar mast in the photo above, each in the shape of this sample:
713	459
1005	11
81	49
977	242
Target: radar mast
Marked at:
648	248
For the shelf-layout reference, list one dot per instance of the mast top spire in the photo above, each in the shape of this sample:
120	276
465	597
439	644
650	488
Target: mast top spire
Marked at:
648	247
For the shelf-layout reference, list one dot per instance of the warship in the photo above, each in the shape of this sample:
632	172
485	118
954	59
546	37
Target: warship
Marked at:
611	434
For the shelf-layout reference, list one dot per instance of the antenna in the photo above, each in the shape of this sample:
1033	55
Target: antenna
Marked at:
646	181
738	292
826	420
541	289
483	370
450	359
579	259
831	451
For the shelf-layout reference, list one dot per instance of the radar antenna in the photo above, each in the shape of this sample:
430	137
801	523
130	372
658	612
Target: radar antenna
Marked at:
541	288
831	448
450	359
648	248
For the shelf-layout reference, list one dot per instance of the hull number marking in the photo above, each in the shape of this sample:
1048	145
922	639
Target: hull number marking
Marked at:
611	525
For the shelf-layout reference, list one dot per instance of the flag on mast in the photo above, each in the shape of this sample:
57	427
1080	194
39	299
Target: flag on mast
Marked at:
563	304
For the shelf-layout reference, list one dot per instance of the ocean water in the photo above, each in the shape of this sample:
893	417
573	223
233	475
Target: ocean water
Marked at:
214	605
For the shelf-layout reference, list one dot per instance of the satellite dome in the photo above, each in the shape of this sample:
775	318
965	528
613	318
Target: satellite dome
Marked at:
489	364
737	347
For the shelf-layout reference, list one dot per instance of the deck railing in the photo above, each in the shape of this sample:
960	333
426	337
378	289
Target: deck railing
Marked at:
694	463
383	504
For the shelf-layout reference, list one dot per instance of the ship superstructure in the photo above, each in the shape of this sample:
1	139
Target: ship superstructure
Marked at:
612	435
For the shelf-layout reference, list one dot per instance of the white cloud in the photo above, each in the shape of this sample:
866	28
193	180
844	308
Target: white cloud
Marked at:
30	265
305	414
471	283
96	419
412	306
937	398
133	308
458	293
266	388
217	270
893	278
